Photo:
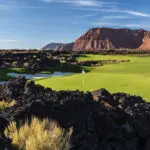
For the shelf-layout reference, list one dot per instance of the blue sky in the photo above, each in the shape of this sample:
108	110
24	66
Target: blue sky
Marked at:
35	23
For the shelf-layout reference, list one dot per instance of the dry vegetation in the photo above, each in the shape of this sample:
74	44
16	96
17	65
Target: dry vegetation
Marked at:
38	135
4	104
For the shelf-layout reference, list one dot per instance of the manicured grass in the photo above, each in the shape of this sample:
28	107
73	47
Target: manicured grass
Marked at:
130	77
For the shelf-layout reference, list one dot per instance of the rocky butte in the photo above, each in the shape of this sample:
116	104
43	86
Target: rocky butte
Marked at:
108	38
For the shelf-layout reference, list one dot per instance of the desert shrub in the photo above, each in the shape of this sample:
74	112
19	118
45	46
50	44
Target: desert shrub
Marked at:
34	56
26	64
4	104
38	135
14	63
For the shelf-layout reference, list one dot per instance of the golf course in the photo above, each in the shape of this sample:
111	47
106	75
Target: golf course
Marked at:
131	77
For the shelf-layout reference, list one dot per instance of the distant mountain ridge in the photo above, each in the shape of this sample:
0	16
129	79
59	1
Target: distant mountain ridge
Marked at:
97	39
65	47
52	46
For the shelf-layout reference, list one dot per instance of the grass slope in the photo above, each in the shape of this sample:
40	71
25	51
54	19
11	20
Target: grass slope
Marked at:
131	77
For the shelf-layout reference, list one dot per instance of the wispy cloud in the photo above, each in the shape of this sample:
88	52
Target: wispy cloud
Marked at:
4	7
111	17
115	17
9	6
137	13
130	12
8	41
102	24
82	2
86	16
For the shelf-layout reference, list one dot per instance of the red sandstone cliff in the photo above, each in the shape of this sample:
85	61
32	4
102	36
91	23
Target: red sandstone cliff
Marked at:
146	42
107	38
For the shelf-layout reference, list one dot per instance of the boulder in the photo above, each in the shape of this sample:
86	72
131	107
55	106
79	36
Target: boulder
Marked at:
103	96
5	143
13	89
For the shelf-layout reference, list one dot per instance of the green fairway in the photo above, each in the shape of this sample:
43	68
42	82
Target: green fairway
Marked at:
131	77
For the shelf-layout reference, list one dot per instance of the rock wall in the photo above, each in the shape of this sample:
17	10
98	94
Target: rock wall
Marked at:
107	38
146	42
99	120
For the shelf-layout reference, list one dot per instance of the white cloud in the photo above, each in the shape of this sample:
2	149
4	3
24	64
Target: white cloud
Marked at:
7	41
82	2
137	13
137	26
115	17
87	16
8	7
102	24
86	3
130	12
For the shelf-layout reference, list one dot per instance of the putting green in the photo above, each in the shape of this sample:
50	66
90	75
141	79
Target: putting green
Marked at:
130	77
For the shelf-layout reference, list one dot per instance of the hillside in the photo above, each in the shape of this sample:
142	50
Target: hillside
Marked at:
109	38
146	41
65	47
52	46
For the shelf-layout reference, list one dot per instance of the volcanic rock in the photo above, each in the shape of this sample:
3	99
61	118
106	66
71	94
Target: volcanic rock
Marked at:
13	89
104	96
124	125
4	142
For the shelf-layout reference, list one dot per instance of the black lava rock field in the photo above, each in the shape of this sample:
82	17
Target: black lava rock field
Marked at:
100	120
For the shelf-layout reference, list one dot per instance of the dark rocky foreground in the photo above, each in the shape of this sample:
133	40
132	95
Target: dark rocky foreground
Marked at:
100	120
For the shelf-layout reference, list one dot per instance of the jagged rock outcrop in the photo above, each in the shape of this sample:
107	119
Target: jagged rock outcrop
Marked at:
35	61
146	42
12	90
66	47
107	38
5	143
99	119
